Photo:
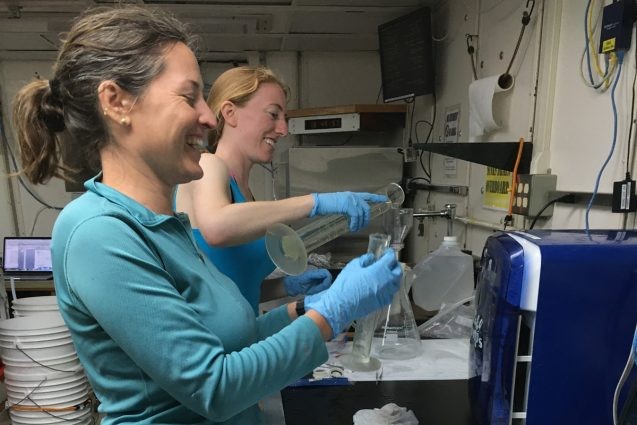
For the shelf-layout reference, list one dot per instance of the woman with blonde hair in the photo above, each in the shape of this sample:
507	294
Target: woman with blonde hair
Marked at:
229	224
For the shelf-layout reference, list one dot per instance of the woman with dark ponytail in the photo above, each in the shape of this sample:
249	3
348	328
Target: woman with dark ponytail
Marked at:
163	336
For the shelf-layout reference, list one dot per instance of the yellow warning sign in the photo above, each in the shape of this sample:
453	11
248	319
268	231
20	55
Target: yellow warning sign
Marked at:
496	189
608	45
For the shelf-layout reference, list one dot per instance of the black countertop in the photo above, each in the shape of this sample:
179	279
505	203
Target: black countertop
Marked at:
433	402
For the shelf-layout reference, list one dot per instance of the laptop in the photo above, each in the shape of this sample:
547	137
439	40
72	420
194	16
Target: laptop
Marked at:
27	258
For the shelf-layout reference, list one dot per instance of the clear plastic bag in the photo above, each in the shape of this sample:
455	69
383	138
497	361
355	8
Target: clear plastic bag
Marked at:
452	321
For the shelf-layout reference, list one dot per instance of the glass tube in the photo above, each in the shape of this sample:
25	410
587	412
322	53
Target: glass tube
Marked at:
288	248
359	359
399	337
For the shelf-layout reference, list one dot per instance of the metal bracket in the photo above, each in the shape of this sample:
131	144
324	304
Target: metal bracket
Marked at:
457	190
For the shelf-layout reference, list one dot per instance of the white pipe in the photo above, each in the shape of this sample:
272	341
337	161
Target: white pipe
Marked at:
484	224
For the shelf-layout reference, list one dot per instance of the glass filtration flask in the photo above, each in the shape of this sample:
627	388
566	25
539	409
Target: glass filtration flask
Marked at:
360	359
397	331
288	248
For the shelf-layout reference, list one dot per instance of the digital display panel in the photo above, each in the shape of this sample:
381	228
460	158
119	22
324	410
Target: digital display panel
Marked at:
323	123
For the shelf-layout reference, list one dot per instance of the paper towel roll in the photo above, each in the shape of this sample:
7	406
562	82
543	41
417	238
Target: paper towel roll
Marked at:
481	97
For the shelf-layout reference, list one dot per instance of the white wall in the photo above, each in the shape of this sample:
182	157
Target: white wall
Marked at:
572	124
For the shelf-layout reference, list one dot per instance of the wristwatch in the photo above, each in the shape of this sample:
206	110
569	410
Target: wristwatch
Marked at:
300	307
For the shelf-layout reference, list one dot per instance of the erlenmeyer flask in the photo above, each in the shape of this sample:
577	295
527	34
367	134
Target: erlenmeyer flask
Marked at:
288	248
398	333
359	359
399	337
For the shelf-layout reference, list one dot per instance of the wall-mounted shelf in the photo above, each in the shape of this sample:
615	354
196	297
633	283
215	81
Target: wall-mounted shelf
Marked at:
501	155
356	117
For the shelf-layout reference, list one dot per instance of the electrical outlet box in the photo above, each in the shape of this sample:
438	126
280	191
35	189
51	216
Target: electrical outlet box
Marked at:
532	193
617	26
624	200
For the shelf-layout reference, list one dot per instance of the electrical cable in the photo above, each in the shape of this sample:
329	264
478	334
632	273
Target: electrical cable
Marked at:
431	128
609	60
35	220
632	118
411	121
380	90
514	177
548	204
624	376
630	129
612	149
471	51
587	34
422	151
526	18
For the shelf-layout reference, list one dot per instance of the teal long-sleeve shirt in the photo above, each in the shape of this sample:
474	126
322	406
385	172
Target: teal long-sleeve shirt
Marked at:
163	336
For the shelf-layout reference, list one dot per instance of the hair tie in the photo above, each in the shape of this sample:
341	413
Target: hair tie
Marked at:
51	112
54	121
54	86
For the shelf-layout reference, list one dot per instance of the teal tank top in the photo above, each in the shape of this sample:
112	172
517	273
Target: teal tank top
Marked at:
246	264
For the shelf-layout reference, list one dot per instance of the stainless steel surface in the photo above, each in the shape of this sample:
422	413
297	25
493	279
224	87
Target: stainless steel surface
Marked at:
330	169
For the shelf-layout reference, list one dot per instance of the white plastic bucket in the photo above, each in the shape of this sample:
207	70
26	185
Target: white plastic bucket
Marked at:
23	312
36	341
20	352
35	335
23	361
39	324
76	417
18	387
36	301
56	402
35	369
44	399
53	378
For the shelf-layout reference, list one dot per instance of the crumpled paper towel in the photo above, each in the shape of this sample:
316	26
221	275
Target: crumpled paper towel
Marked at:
389	414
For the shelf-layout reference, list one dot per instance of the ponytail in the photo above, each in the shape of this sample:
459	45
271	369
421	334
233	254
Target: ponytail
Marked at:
38	119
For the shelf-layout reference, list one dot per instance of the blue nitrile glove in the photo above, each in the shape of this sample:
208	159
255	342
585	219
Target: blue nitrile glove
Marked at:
354	204
309	282
363	286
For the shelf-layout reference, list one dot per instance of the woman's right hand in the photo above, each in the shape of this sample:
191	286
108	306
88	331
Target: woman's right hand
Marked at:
363	286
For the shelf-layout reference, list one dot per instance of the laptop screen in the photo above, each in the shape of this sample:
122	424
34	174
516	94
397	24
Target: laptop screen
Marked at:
26	256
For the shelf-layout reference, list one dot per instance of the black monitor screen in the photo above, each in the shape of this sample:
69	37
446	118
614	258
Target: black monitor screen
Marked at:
406	59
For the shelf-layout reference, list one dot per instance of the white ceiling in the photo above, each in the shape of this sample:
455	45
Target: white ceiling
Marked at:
29	28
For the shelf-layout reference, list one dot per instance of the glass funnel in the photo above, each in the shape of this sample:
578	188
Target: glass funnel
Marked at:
397	331
360	359
288	248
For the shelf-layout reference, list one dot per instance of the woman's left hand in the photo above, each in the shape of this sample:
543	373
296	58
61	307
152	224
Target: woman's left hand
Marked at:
309	282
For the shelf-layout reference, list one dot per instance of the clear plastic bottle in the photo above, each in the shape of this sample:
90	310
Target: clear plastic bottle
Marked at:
443	277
